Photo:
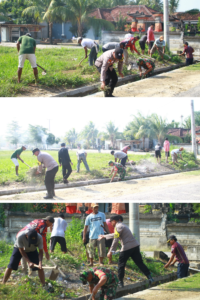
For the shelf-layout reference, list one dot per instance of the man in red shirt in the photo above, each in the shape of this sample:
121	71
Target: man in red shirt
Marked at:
178	254
188	50
150	37
129	43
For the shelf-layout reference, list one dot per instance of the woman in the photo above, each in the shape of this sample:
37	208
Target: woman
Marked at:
147	64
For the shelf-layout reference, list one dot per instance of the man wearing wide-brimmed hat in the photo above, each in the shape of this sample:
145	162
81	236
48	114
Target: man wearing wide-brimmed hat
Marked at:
159	45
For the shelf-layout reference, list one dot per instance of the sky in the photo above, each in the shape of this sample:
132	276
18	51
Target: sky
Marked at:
187	5
67	113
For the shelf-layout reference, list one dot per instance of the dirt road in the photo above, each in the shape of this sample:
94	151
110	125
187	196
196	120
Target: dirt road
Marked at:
182	186
169	84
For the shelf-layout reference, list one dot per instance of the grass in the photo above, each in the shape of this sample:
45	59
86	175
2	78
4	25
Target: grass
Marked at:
98	164
62	70
23	287
195	67
191	283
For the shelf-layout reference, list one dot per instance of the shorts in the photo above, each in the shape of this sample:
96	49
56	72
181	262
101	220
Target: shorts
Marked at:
167	153
150	44
157	153
182	270
100	245
30	57
142	45
154	49
15	161
174	158
60	240
108	243
16	257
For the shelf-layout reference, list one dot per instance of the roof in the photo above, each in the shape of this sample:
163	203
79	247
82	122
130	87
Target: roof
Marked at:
186	16
112	14
181	132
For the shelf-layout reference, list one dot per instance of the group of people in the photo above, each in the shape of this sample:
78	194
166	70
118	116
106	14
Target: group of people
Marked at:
166	146
100	231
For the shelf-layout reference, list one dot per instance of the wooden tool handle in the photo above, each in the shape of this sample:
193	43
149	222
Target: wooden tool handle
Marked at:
49	268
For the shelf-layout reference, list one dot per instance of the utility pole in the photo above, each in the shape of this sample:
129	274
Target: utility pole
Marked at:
166	22
194	145
134	220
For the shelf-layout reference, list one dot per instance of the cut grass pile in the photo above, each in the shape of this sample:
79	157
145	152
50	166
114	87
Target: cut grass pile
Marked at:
22	287
62	69
98	164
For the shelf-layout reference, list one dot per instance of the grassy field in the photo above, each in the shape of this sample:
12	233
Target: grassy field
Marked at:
29	288
195	67
62	70
186	284
98	164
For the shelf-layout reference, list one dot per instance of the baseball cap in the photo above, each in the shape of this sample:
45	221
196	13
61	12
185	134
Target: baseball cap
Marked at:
94	204
172	237
35	150
79	38
28	34
119	53
49	218
32	237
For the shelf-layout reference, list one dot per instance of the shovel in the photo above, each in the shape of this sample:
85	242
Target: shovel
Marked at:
59	270
54	272
44	71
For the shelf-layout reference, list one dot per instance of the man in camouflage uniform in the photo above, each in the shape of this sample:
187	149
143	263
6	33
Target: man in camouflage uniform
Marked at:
147	64
117	168
101	278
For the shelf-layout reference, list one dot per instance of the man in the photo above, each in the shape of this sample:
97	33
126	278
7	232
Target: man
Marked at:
147	64
94	222
52	168
16	156
159	45
128	35
65	162
178	254
92	45
142	42
117	168
26	46
125	150
129	43
119	155
26	246
40	226
166	147
81	156
103	279
130	248
188	50
158	149
110	46
150	37
175	153
58	233
104	65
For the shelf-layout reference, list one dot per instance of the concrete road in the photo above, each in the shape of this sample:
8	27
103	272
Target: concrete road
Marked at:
194	92
181	186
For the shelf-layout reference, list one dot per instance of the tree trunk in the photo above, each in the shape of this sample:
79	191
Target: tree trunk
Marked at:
143	143
79	28
50	32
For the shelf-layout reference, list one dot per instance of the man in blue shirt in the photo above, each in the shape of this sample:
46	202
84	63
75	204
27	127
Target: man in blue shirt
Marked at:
95	221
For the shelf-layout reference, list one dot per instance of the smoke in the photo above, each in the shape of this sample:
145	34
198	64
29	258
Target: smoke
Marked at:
43	137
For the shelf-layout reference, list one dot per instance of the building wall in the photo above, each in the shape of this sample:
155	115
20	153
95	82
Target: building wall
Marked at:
57	31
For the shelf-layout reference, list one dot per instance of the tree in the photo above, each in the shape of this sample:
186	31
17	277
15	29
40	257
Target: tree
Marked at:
38	134
50	139
121	22
90	133
71	136
14	135
77	12
112	133
159	127
11	10
173	124
173	5
187	121
198	24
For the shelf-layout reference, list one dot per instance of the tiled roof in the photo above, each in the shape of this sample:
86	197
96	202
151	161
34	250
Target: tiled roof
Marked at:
186	16
181	132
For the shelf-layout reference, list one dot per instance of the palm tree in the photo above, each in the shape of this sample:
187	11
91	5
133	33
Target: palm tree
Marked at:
173	5
112	133
77	12
90	133
159	127
71	136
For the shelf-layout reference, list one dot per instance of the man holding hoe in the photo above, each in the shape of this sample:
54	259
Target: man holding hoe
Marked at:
16	156
175	153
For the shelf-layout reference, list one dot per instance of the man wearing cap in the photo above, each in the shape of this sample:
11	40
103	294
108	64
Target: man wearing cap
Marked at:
130	248
95	221
147	64
175	153
65	162
26	46
129	43
103	279
178	255
52	168
16	156
104	65
81	157
188	50
25	246
159	45
92	45
122	156
58	229
117	168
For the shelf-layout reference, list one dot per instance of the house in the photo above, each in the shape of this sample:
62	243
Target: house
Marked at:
135	144
182	132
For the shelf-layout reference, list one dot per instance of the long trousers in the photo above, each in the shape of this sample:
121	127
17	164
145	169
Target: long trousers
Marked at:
49	180
93	55
123	161
111	79
67	167
135	255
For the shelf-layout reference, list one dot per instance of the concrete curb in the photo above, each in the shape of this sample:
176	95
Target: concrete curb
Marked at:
90	89
85	183
136	287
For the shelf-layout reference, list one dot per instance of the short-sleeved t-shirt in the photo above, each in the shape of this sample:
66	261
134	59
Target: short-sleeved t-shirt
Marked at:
22	242
180	255
143	38
94	221
88	43
110	227
188	50
125	149
17	152
158	148
176	151
159	43
27	45
119	154
59	227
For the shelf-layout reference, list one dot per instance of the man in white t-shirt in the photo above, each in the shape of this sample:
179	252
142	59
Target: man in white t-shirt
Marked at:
81	156
119	155
92	45
175	153
128	35
58	233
